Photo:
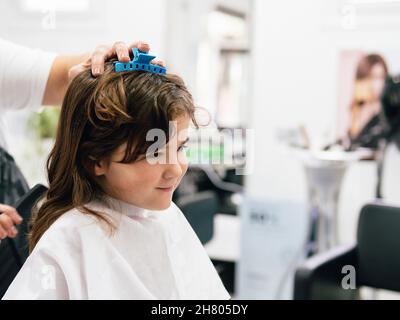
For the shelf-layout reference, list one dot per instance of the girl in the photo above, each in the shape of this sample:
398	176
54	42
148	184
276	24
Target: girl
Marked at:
107	228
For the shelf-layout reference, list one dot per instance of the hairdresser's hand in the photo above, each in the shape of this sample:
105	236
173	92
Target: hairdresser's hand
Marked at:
8	218
103	53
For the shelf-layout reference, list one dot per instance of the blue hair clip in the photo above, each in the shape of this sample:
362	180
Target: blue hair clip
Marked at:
141	61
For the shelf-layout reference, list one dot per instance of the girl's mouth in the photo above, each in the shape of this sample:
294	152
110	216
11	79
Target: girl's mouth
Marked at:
169	189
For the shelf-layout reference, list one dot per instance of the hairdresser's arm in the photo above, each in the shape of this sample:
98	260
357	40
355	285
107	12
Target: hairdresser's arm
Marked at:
63	68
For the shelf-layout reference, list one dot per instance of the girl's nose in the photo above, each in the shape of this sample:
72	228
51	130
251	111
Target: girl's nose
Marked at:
173	170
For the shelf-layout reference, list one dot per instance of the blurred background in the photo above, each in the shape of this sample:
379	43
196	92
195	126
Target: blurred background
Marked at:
300	139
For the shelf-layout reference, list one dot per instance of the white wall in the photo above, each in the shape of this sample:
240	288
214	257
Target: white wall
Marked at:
108	21
187	30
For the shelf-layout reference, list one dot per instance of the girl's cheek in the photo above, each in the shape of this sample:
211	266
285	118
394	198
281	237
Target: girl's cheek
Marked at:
184	168
182	158
127	174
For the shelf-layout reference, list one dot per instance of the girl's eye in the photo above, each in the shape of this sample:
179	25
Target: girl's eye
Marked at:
184	146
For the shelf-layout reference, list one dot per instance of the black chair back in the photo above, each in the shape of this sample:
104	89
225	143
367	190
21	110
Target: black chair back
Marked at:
200	209
378	242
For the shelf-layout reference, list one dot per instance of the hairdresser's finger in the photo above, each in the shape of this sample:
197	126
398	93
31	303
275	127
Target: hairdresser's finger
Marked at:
141	45
158	62
6	222
121	50
11	213
99	56
3	233
8	226
12	232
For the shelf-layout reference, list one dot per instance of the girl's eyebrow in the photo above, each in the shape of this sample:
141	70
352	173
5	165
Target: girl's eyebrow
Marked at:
184	141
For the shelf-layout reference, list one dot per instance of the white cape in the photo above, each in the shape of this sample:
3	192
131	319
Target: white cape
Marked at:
151	255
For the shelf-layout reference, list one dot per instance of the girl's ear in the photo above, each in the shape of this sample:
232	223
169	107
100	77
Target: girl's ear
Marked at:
100	168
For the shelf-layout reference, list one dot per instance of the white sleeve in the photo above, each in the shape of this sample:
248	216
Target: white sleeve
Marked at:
41	278
23	75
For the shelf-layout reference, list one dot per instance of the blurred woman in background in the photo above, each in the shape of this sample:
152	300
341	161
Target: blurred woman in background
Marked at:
366	106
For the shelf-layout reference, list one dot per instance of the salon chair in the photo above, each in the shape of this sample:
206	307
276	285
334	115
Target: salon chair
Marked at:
201	178
14	251
375	258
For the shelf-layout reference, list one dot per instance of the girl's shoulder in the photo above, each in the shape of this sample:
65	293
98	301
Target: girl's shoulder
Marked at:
176	211
70	228
73	219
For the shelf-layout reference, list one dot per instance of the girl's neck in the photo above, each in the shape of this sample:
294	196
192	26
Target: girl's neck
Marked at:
124	207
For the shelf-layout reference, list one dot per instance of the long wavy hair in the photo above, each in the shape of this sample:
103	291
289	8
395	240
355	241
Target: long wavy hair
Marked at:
97	116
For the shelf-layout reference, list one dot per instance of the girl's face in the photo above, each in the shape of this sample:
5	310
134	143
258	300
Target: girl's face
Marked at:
145	183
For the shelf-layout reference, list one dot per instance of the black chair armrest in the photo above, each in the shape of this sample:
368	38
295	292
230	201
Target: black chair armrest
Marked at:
14	251
320	277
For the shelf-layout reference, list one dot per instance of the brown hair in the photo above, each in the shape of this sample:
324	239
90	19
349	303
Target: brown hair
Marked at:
97	116
366	63
364	67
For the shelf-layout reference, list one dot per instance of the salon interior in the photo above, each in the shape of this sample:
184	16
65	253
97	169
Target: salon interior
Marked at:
293	180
